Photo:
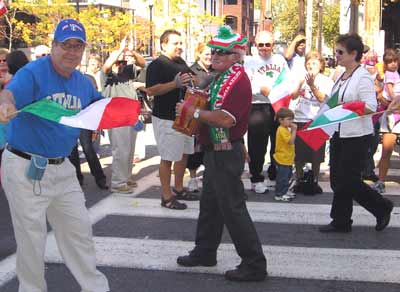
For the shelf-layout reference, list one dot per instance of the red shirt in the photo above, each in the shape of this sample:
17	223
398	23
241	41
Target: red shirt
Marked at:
238	104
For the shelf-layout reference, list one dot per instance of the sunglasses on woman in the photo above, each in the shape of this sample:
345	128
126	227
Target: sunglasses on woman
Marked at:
339	52
220	52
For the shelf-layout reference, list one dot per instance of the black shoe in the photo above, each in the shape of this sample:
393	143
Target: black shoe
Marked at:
194	261
102	184
330	228
245	275
383	221
271	172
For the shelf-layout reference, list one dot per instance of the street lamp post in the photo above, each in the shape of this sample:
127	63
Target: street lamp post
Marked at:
151	4
134	27
320	15
77	6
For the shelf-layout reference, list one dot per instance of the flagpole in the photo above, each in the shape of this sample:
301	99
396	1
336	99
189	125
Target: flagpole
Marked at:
338	122
12	114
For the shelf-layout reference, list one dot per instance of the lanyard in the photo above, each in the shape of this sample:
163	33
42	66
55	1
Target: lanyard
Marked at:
346	82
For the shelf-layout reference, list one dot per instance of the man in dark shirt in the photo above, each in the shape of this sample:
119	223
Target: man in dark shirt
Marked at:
223	199
166	76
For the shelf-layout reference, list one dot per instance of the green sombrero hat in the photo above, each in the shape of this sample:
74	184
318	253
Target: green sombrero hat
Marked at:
226	40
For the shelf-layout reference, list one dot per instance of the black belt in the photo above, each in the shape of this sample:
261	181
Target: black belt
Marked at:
28	156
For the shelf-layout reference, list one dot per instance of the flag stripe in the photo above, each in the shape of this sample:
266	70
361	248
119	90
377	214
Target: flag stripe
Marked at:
48	110
120	112
281	93
89	118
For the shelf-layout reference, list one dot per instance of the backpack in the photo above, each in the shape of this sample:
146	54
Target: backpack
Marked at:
308	183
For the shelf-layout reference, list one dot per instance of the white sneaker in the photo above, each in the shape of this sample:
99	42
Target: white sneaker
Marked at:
193	186
291	195
259	188
283	198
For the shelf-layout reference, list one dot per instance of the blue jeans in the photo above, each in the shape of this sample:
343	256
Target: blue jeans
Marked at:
283	175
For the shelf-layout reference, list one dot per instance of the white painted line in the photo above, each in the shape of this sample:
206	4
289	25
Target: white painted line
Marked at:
286	262
259	211
7	269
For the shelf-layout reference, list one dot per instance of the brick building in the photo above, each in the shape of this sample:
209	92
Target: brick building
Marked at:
239	14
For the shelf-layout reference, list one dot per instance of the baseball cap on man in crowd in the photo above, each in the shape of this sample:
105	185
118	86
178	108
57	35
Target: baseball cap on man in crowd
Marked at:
69	29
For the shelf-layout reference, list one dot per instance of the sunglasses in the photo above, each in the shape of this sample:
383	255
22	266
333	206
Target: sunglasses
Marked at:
339	52
74	47
220	52
3	61
267	45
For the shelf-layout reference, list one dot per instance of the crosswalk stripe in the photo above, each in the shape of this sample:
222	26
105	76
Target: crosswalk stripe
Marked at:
286	262
259	211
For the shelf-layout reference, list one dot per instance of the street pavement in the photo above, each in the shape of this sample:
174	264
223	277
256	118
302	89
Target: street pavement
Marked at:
137	241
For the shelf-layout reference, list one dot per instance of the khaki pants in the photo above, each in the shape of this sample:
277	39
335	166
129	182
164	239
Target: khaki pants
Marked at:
61	200
123	142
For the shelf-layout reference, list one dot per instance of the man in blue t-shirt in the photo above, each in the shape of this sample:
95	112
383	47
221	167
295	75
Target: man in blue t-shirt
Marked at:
33	141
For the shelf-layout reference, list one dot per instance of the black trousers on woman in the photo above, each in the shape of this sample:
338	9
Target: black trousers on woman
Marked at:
347	158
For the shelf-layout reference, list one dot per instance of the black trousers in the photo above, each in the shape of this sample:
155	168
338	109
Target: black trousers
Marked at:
347	157
96	170
262	126
223	203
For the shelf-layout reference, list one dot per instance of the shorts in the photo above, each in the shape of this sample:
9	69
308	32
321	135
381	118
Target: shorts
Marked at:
171	144
384	128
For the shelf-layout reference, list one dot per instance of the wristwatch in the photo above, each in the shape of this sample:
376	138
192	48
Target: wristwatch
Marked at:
196	113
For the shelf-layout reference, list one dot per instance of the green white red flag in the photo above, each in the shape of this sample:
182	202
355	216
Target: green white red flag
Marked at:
103	114
281	91
316	132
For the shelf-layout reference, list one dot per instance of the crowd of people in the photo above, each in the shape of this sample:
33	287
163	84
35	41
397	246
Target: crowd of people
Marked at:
239	88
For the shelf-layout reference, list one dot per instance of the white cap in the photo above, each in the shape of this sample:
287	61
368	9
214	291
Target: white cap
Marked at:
41	51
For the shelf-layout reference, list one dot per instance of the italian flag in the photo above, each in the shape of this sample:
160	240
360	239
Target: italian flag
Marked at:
3	8
106	113
316	132
281	93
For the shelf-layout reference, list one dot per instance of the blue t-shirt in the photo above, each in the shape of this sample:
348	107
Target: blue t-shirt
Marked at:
38	80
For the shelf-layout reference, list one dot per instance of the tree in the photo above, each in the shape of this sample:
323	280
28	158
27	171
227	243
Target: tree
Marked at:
286	21
330	28
32	22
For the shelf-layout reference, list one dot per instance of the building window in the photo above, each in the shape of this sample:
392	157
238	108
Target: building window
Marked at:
230	2
231	21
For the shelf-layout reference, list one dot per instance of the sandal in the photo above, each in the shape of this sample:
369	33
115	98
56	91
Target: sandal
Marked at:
185	196
172	203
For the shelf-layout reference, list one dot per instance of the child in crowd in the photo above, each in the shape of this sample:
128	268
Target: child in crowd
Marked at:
284	153
392	83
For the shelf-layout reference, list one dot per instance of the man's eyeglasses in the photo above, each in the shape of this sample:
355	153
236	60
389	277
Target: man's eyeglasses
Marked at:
220	52
72	47
267	45
3	61
339	52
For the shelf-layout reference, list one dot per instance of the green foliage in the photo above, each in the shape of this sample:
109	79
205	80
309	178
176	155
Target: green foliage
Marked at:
331	24
286	20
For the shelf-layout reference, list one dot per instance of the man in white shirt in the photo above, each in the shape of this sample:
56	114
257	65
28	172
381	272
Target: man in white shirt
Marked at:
263	70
